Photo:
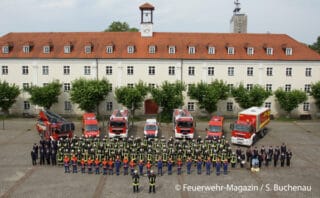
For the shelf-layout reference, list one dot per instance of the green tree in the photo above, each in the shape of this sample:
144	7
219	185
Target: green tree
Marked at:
118	26
132	97
45	96
168	96
89	93
8	95
315	92
208	95
316	46
249	98
290	100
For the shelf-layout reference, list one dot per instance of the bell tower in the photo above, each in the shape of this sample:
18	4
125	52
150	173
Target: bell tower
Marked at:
146	20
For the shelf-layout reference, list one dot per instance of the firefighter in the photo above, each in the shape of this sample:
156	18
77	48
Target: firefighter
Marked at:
97	165
218	166
47	155
140	165
243	160
189	164
152	182
160	165
282	158
179	166
233	160
199	165
66	162
118	164
125	165
132	165
276	156
41	155
214	158
83	165
148	166
225	167
74	162
36	149
208	166
170	164
89	163
248	154
283	148
110	166
135	181
33	157
104	166
53	157
288	157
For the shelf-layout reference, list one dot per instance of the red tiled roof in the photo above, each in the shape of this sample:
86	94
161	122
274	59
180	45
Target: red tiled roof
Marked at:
121	40
146	6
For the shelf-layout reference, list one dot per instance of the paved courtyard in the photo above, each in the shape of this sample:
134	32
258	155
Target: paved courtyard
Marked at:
18	178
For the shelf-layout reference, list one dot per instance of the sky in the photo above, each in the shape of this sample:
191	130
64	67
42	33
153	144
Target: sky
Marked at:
296	18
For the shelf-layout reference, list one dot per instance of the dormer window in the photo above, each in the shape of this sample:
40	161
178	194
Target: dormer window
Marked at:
172	49
192	49
152	49
67	49
250	50
288	51
269	51
130	49
26	48
46	49
211	50
87	49
109	49
230	50
5	49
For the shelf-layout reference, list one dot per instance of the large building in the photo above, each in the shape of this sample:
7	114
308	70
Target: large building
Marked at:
124	58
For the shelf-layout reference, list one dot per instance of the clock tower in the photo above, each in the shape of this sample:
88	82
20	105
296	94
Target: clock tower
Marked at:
146	20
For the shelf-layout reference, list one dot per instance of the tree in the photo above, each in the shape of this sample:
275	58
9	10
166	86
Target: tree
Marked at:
316	46
208	95
315	92
290	100
248	98
45	96
169	96
8	95
89	93
132	97
118	26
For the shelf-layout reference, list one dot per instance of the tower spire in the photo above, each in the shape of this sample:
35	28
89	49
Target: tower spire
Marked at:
237	8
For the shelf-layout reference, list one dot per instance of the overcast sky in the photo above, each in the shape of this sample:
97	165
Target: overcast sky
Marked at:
299	19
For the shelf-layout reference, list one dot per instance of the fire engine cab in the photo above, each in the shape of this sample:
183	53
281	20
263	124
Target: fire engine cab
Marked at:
183	124
119	124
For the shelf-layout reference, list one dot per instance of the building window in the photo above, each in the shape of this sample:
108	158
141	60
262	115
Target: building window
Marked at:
87	70
66	87
192	49
210	71
250	50
268	87
25	70
249	87
26	105
269	51
289	71
288	51
109	106
152	70
269	71
171	70
190	106
5	49
130	70
4	70
229	106
88	49
45	84
267	105
249	71
66	70
130	85
152	49
26	48
230	50
172	49
308	71
230	86
108	70
109	49
111	87
67	49
287	87
211	50
45	70
191	71
46	49
230	71
307	88
151	85
25	85
67	106
306	106
130	49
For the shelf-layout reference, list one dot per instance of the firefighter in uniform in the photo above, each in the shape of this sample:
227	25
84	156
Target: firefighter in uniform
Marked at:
170	164
208	166
140	165
288	157
282	158
117	164
199	165
110	166
160	165
179	166
33	158
125	165
218	166
104	166
189	164
66	162
276	156
148	166
74	162
132	165
135	181
89	162
97	165
83	165
233	160
152	182
225	167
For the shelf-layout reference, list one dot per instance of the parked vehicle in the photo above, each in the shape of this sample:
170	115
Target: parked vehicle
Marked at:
90	125
215	127
119	124
183	124
151	128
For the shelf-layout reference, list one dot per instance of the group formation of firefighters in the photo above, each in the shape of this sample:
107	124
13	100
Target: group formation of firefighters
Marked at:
91	154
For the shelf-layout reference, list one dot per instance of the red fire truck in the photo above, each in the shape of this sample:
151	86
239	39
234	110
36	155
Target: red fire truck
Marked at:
51	125
183	124
251	125
90	125
119	124
215	128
